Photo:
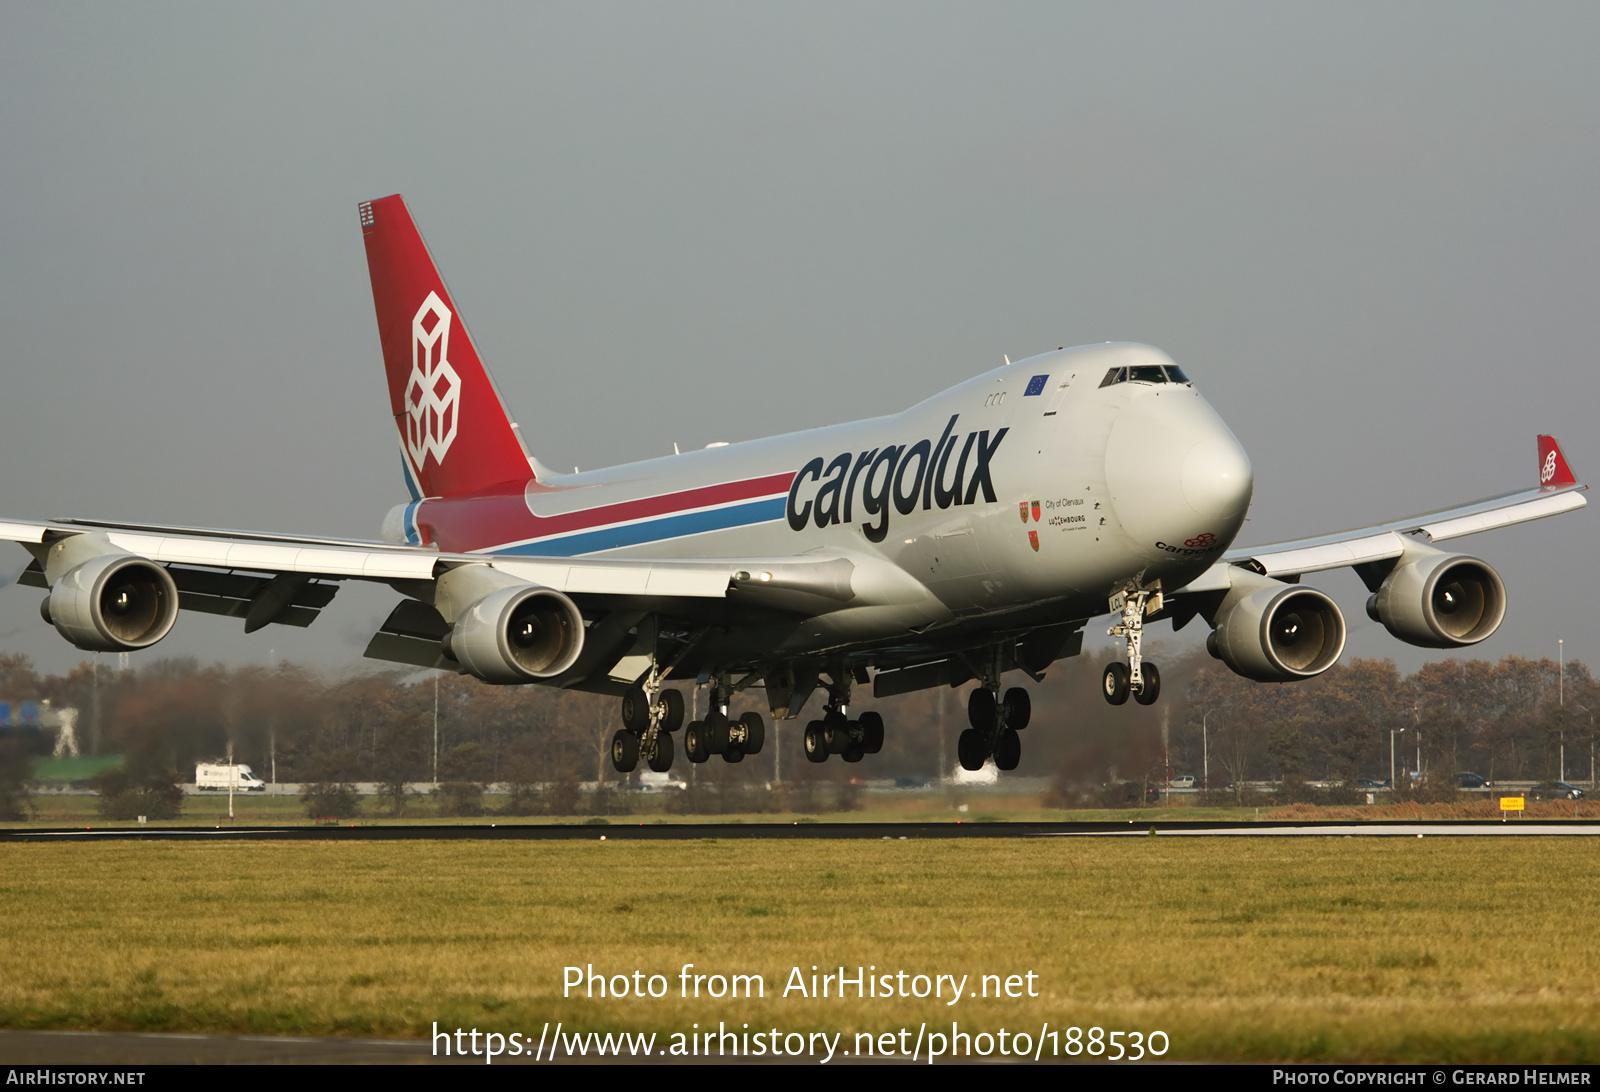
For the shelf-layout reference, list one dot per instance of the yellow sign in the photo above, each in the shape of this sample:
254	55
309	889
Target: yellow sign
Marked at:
1511	803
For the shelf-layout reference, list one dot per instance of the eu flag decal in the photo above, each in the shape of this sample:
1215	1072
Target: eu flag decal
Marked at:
1036	386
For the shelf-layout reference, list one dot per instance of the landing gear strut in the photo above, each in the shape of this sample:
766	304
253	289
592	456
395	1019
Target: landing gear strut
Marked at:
995	721
1135	677
836	733
647	726
650	715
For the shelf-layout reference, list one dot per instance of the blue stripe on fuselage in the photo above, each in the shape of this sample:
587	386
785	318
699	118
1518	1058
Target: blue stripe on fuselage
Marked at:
635	534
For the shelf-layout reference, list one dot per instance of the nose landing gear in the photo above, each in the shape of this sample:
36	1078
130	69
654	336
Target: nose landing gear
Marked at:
1135	677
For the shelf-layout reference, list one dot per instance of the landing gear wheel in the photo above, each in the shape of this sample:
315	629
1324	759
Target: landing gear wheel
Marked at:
853	753
1019	709
816	743
672	715
1115	684
694	741
635	710
661	761
733	754
981	710
971	750
716	733
871	733
624	751
755	733
1007	750
1151	690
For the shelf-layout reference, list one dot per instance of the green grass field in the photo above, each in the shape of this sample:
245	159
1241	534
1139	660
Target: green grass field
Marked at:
1341	949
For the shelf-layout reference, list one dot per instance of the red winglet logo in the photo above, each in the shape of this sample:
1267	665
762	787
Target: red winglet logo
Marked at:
1553	470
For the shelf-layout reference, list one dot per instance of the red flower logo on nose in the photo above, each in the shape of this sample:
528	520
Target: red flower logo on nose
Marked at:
1201	541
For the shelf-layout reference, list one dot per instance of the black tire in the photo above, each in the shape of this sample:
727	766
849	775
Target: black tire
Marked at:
1114	683
1019	708
755	733
672	717
1007	750
661	761
871	732
624	751
816	743
853	753
635	710
733	754
981	709
716	734
971	749
694	741
1151	690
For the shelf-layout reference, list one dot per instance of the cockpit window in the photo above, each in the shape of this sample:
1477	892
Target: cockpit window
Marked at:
1145	373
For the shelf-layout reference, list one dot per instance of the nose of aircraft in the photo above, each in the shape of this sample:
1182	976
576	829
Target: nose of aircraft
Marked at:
1180	483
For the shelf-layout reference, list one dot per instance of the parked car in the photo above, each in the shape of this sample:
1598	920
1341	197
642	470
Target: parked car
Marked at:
1472	781
1185	782
1555	790
1368	784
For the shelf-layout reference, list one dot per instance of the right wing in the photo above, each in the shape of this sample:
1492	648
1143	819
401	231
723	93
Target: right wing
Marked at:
274	579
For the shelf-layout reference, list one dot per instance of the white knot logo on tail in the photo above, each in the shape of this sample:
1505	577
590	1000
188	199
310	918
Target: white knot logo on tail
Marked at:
433	392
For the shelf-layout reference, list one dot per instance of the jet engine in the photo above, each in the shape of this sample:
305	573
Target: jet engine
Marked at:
1439	600
517	634
1278	633
113	603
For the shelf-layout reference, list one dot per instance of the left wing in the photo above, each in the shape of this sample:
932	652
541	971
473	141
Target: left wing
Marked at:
1366	549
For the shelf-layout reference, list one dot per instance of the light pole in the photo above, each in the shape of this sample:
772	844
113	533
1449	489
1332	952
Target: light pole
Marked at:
1205	752
1392	733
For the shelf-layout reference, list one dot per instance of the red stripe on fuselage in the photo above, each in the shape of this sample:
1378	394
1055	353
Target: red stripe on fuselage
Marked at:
500	515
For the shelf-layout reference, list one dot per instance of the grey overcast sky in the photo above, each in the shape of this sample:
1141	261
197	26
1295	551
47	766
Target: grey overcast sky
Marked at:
1368	232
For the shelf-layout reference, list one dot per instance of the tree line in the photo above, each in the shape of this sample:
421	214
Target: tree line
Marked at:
1505	720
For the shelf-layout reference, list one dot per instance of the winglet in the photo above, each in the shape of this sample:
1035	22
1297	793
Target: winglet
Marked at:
1553	470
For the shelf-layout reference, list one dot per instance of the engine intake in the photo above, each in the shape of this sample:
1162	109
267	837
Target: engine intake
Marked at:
517	634
113	603
1440	600
1279	634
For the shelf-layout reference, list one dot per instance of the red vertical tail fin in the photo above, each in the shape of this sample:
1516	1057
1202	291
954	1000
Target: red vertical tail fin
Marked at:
455	433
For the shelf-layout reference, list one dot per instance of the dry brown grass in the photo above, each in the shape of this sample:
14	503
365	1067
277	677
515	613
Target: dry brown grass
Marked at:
1340	949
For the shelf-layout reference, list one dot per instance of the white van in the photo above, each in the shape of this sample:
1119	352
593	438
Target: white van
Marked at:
217	776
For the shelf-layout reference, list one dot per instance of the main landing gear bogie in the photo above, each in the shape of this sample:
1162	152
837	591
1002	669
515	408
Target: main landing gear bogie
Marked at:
837	734
995	723
646	730
717	735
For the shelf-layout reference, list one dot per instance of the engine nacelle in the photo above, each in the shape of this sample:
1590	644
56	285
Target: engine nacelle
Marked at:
1439	600
113	603
517	634
1278	634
